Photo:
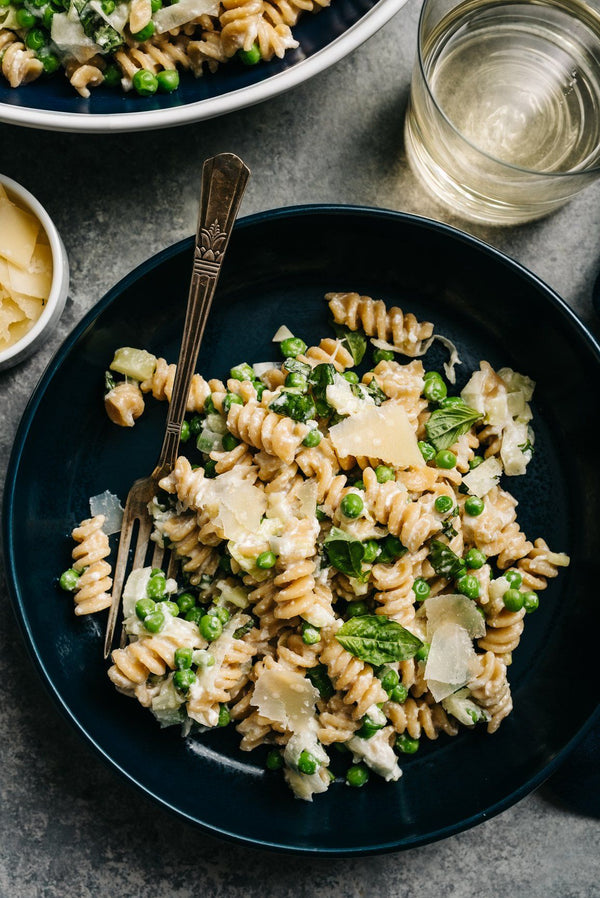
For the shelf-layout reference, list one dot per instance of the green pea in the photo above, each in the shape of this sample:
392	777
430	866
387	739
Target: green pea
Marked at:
426	450
443	504
372	550
352	505
296	381
399	694
171	608
389	678
423	653
183	658
157	586
154	622
195	615
434	388
357	775
50	62
210	469
368	727
184	679
392	549
513	599
242	372
384	473
209	406
231	399
266	560
476	461
144	607
145	83
292	347
185	602
421	589
407	745
155	5
108	6
310	635
47	16
514	578
312	438
251	57
449	401
382	355
259	387
468	585
445	459
350	376
357	608
221	612
168	81
474	506
307	763
230	442
69	580
530	602
185	432
25	19
359	484
210	627
224	716
144	35
475	559
274	760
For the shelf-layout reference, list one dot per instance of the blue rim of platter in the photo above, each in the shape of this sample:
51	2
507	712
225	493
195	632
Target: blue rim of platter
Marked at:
8	508
109	111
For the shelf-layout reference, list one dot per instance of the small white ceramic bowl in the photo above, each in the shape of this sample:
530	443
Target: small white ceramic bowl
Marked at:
55	303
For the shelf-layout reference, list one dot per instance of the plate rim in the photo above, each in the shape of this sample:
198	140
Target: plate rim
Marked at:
14	591
209	107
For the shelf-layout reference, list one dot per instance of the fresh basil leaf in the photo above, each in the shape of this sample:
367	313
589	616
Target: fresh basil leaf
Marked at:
446	425
345	552
319	677
297	406
377	640
444	561
109	382
375	392
296	366
354	341
320	378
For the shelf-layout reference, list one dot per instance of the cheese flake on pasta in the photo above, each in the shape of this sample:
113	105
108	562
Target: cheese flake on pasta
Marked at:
383	432
287	697
450	661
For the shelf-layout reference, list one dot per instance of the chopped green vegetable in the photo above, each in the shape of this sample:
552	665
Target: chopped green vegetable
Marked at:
444	561
354	341
319	677
345	552
377	640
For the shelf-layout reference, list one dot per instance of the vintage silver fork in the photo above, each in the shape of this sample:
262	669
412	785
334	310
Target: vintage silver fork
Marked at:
224	179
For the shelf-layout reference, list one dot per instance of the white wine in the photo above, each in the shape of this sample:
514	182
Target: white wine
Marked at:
519	82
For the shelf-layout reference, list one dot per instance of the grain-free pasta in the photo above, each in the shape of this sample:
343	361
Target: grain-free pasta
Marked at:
351	570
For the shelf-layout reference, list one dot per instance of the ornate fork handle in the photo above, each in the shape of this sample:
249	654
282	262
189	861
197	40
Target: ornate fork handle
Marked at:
224	179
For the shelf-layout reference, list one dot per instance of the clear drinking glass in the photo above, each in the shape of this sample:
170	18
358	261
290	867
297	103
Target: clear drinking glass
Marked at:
503	122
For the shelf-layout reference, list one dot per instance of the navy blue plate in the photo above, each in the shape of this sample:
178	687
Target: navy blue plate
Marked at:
279	266
323	40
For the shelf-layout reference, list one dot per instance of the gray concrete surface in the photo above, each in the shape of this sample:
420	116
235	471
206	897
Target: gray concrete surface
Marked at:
68	828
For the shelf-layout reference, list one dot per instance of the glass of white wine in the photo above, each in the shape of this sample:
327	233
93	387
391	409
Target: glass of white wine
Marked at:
503	122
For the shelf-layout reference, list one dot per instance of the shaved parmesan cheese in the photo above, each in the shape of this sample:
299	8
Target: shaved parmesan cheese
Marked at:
307	496
182	12
10	314
108	504
455	609
341	397
304	786
135	588
261	368
450	660
18	233
383	432
30	305
286	697
70	38
36	279
464	709
240	509
234	595
283	333
515	457
377	753
484	477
